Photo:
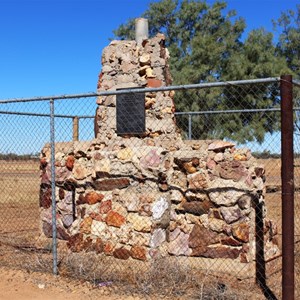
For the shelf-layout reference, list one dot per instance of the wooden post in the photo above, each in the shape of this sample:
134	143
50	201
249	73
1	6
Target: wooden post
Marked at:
75	129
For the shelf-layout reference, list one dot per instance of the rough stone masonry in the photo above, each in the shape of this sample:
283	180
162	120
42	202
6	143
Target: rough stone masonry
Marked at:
153	195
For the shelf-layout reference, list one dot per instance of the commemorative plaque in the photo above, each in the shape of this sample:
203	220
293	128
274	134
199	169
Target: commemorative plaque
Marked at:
131	113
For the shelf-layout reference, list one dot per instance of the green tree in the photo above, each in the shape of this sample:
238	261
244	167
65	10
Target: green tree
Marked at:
205	45
288	26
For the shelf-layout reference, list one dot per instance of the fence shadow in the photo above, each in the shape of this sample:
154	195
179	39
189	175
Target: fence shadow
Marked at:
260	268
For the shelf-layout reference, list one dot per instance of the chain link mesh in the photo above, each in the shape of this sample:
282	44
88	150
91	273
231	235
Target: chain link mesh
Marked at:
145	213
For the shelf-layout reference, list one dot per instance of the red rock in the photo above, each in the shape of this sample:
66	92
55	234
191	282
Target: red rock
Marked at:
202	237
75	242
45	178
45	197
61	193
229	241
108	248
99	246
43	163
259	171
154	83
70	162
219	145
111	184
211	164
62	234
241	232
81	199
61	174
195	162
138	252
244	258
215	213
96	216
93	198
99	80
232	170
121	253
88	244
105	207
115	219
197	208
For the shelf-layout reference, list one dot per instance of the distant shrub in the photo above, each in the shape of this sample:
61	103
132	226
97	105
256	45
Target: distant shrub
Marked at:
14	156
266	154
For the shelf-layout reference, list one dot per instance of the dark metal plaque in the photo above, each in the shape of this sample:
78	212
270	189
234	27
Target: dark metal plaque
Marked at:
131	113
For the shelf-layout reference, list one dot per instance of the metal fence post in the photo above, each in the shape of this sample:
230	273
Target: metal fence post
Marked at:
75	129
54	229
287	177
190	127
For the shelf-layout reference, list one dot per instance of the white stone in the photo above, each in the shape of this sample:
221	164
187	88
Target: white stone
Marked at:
98	228
157	238
227	197
159	207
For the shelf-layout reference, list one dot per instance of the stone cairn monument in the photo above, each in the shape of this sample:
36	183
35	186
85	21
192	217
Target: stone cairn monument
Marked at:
148	195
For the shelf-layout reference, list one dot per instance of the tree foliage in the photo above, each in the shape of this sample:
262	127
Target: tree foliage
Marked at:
288	26
206	45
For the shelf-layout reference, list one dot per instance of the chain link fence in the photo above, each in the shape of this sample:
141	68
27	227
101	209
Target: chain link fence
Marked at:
188	206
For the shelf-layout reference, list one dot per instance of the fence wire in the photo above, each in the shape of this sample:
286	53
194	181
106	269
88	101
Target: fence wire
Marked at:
189	207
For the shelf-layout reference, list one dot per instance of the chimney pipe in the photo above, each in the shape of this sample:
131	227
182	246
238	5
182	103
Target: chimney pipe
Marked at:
141	30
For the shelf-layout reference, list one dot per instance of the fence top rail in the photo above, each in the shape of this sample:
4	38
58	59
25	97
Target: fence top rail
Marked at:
143	90
296	83
177	113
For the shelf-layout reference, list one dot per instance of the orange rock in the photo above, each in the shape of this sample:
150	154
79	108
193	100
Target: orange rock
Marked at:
138	252
85	225
105	207
70	162
241	232
153	83
189	167
121	253
93	198
108	248
115	219
240	157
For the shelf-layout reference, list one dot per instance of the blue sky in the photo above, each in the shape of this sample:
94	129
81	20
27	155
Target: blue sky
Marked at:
53	47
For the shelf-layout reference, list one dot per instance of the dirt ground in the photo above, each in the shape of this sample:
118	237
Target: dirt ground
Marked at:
22	285
19	227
